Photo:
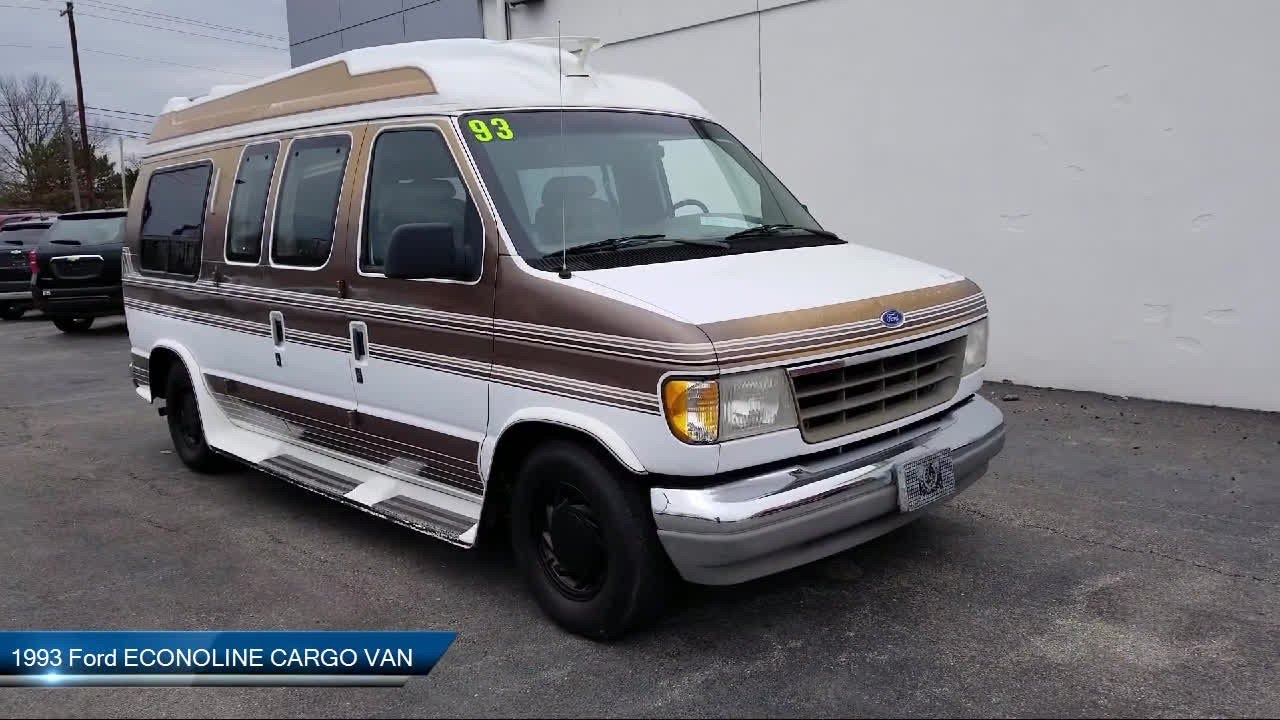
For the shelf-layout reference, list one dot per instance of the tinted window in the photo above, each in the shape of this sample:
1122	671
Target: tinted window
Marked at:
414	180
173	219
87	231
21	236
308	203
249	202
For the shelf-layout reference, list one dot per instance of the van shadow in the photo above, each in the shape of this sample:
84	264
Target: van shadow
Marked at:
812	593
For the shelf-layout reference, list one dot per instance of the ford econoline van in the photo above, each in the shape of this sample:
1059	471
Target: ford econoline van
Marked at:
482	290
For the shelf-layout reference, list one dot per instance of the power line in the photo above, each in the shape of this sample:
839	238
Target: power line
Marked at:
130	10
132	57
183	32
153	27
122	112
116	118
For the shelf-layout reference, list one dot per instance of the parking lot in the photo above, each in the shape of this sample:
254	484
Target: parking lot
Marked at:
1121	558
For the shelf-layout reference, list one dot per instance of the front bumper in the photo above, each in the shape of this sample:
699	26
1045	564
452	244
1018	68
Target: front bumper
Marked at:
763	524
79	301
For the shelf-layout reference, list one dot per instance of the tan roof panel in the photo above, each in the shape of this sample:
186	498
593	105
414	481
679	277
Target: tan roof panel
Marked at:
320	88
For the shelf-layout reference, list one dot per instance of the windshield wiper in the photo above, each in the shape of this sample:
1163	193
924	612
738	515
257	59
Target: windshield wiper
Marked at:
629	241
777	229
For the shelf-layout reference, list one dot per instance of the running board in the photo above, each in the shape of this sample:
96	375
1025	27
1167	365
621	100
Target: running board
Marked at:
382	496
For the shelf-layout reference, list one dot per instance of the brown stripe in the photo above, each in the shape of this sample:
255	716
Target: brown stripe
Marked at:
445	458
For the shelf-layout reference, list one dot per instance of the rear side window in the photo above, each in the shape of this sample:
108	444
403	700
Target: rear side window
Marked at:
173	219
308	200
249	202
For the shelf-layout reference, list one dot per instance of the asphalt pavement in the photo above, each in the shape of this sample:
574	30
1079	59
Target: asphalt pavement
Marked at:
1122	557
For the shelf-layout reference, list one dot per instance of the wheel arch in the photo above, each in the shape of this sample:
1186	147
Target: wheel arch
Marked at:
521	434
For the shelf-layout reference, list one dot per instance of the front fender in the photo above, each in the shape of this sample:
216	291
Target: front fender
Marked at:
604	434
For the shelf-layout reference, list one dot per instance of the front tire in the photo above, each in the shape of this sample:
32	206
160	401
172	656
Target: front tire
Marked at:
12	312
185	426
583	537
73	324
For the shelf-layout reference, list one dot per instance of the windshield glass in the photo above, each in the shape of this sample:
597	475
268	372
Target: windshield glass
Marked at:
621	175
88	231
27	236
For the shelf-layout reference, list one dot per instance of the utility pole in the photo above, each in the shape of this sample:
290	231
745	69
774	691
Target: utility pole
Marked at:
124	182
71	156
84	130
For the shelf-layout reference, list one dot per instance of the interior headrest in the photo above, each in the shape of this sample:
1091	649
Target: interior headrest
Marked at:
567	186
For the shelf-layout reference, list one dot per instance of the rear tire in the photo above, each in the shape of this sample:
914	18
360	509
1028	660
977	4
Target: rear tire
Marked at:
12	312
72	324
185	426
583	537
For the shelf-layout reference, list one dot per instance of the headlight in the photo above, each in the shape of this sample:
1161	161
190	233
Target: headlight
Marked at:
975	348
735	406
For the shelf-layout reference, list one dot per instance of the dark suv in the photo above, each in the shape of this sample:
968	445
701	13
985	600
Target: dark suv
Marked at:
17	240
77	269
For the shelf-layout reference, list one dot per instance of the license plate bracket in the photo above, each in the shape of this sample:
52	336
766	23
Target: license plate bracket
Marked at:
925	480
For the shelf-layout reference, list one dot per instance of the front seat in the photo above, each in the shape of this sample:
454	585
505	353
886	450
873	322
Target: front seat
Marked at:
415	201
569	201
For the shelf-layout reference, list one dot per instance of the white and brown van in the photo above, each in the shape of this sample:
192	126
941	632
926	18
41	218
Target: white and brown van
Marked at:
481	290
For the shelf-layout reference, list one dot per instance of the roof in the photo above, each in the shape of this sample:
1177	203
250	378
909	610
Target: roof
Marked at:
27	223
434	76
91	214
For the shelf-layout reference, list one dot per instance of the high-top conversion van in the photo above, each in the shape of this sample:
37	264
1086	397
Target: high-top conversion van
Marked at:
481	290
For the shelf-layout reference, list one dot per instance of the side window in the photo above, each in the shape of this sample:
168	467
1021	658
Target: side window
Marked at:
413	179
308	203
249	202
173	220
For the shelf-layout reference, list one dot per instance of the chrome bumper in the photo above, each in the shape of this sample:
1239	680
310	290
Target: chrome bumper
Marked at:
763	524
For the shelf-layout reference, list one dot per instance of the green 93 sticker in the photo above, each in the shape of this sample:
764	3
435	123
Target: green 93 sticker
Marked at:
497	128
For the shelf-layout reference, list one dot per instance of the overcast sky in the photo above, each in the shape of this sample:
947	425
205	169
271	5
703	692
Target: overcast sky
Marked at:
135	85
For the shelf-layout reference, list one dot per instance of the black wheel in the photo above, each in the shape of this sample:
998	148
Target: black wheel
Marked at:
584	539
185	426
72	324
12	312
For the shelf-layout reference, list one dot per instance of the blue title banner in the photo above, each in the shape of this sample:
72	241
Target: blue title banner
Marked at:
142	658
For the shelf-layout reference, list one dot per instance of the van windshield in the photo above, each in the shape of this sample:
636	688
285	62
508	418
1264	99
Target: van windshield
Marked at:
637	179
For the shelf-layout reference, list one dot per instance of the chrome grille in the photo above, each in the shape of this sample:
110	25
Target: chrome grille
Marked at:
847	398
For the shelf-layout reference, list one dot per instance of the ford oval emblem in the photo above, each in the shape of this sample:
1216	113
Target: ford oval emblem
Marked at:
892	318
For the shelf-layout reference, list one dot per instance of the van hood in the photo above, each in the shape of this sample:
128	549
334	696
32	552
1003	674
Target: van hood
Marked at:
735	287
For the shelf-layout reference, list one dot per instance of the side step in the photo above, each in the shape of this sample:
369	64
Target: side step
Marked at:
301	471
421	515
382	496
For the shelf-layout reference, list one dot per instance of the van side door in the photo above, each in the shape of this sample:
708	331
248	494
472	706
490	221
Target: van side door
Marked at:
421	348
305	371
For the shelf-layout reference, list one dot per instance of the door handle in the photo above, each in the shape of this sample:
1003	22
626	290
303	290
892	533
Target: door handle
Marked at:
359	333
277	334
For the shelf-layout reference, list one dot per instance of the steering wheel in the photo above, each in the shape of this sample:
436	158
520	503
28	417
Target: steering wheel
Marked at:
690	201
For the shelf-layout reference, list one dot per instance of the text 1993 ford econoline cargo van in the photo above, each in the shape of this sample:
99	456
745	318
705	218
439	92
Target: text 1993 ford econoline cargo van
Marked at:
479	289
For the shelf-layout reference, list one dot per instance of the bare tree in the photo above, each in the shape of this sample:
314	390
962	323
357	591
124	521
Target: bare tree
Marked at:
30	117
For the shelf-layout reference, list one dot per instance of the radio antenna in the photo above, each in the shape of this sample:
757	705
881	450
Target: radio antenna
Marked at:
564	242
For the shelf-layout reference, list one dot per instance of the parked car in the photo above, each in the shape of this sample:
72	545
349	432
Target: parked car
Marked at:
448	285
17	241
12	216
76	269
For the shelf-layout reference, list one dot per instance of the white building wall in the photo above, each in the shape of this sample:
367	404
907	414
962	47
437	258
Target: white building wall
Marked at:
1103	168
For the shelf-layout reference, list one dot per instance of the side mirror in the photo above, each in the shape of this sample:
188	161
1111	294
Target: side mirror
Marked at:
423	250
